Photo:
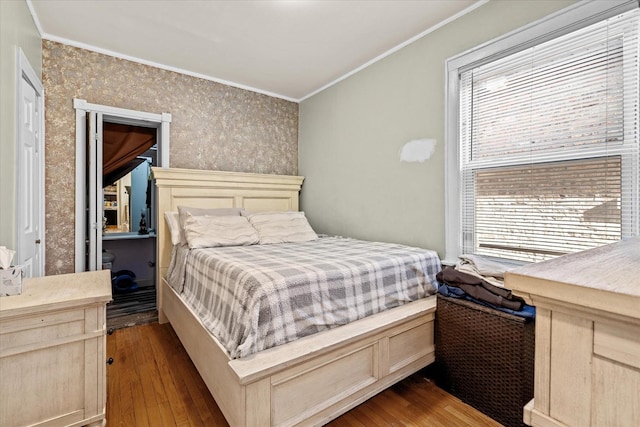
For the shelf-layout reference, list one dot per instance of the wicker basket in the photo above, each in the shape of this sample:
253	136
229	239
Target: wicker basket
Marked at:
485	358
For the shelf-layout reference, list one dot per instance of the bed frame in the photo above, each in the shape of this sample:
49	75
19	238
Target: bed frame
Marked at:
307	382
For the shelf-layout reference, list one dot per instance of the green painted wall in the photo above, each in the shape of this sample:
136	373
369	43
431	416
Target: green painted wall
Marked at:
17	30
351	134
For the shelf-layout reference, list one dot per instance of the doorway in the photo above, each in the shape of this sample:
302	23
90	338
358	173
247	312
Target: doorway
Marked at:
115	202
89	212
128	222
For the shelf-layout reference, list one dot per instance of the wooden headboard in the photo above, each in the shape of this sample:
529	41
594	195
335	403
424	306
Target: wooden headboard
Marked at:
215	189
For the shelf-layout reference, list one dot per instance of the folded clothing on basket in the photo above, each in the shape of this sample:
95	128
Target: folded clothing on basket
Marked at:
489	269
480	289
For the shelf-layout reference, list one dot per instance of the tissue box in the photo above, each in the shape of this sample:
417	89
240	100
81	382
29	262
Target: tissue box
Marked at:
11	281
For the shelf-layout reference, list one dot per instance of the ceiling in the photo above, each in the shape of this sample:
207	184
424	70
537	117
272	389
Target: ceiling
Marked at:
289	49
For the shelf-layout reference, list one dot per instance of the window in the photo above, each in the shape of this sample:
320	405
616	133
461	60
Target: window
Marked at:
547	144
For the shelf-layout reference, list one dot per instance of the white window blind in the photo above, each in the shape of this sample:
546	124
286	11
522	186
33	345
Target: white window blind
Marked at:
549	145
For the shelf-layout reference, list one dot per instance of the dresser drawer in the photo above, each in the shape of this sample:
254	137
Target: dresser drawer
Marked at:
29	333
618	342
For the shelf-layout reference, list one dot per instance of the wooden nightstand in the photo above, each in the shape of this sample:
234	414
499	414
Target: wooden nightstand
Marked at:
53	351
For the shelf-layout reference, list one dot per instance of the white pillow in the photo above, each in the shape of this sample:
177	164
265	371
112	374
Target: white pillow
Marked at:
212	231
282	227
173	222
184	211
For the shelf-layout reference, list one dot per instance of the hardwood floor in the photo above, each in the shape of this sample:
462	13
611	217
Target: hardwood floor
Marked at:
152	382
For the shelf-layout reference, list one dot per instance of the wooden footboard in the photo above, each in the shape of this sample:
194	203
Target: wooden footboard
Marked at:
312	380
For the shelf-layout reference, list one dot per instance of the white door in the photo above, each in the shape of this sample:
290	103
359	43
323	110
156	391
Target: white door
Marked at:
95	201
29	182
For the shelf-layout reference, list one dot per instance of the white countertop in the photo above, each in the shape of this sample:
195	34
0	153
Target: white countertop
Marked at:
128	236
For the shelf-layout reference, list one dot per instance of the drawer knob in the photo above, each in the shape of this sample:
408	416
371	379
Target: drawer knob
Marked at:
110	331
110	361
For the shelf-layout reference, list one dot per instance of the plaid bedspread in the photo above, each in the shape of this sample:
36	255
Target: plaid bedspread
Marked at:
255	297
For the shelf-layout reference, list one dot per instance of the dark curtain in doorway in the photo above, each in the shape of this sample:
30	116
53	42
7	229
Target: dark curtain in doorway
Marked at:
121	145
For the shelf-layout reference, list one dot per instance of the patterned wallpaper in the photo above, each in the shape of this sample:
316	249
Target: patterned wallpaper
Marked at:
214	127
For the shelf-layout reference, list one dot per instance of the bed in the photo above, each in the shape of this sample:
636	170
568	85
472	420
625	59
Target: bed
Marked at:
311	380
